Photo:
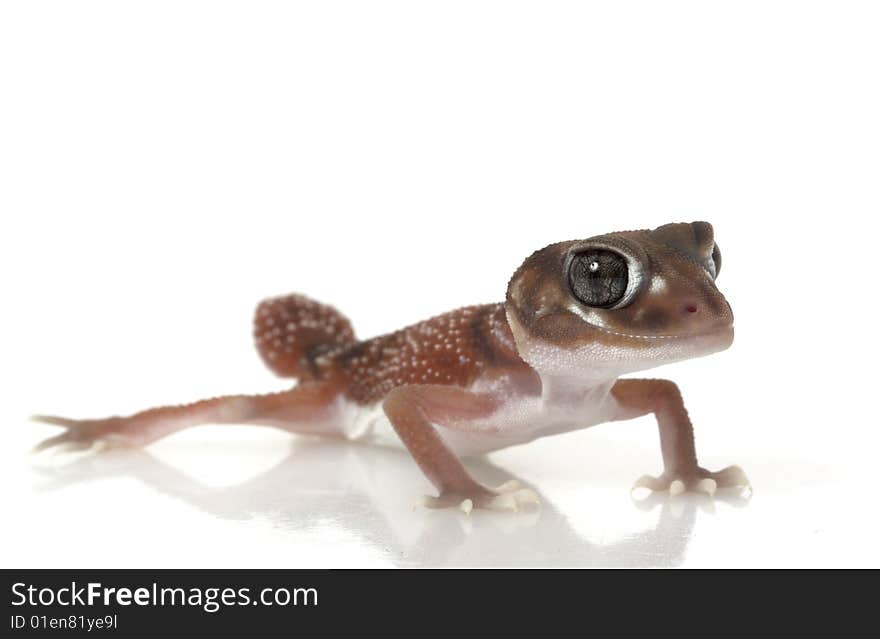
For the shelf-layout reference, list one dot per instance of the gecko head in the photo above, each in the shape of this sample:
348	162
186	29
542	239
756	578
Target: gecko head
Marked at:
622	301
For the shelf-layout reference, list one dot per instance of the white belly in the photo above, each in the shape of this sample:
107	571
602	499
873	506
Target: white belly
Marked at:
520	420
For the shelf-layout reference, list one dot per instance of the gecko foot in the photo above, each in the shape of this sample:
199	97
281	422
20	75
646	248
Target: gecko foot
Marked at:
509	496
82	434
699	481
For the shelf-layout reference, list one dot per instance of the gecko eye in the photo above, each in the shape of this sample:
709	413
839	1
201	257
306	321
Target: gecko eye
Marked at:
716	259
598	277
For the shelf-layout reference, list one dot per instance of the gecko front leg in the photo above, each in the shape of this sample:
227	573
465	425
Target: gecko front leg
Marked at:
413	410
681	471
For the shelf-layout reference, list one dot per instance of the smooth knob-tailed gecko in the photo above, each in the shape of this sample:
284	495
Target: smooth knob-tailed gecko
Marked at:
577	316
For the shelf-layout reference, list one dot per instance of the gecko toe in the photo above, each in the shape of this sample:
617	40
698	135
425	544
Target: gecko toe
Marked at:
698	481
648	482
526	497
51	442
84	434
513	500
732	476
502	502
54	420
706	485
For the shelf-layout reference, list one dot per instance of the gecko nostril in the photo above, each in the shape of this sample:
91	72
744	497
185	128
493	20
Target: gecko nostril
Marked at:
691	308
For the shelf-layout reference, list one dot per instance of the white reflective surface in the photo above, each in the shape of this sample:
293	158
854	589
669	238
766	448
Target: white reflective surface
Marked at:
248	497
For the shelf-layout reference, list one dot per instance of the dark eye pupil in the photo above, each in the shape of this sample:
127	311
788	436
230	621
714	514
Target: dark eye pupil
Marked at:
598	277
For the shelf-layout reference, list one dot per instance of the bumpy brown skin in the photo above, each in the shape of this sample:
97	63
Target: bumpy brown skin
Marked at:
423	374
452	349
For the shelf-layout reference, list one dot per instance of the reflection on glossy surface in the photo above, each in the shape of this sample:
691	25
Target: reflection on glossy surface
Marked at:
357	489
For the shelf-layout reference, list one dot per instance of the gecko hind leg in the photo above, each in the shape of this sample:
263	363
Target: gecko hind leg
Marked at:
307	409
413	410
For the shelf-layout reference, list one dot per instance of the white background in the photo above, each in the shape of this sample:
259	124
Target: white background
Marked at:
165	165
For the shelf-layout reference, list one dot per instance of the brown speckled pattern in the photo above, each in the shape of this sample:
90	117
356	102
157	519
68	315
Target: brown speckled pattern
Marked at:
298	337
291	332
450	349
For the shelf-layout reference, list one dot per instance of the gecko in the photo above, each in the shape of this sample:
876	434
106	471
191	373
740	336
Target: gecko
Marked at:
577	316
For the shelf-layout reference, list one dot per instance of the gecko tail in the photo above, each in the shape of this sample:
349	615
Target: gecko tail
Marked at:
293	331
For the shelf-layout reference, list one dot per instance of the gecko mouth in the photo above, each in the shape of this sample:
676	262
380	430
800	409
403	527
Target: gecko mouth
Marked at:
722	331
720	327
655	350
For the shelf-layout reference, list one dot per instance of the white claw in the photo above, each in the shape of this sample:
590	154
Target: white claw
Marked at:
508	486
102	445
466	506
741	478
527	496
707	485
113	440
505	501
676	487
